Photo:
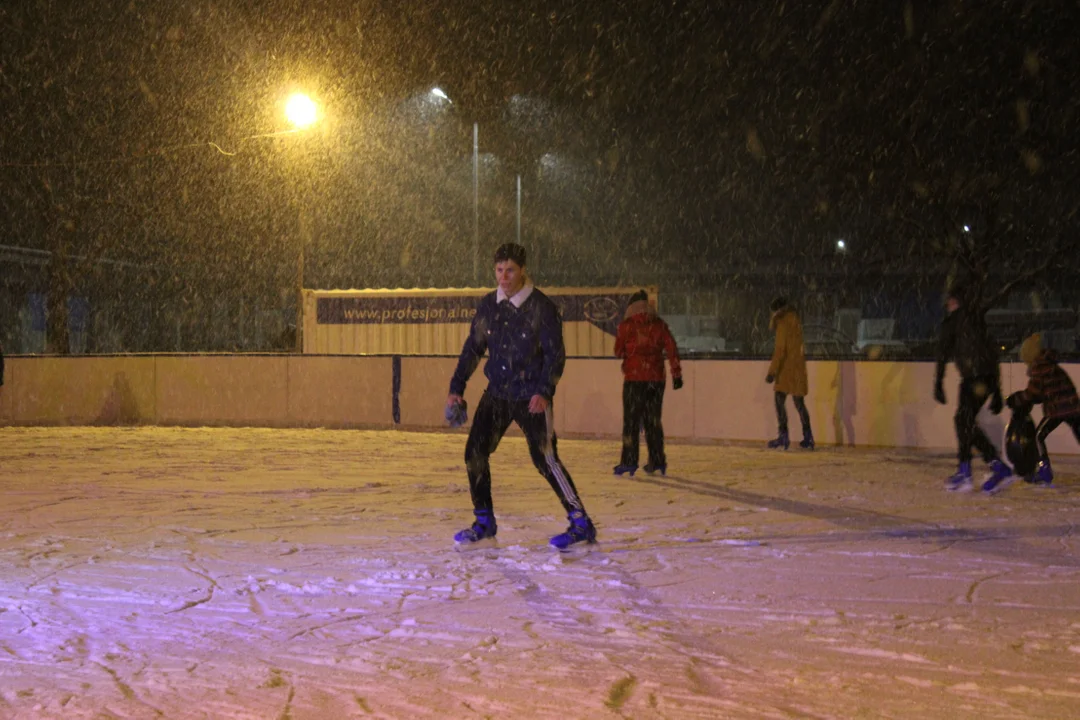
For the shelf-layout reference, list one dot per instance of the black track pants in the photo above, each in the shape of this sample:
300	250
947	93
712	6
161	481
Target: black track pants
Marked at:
973	394
490	421
1049	425
781	412
643	405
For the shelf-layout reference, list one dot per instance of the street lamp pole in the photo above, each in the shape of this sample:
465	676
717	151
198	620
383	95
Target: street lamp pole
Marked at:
476	203
303	233
301	111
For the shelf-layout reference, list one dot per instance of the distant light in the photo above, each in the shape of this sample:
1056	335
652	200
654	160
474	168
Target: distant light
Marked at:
301	111
438	92
967	228
841	245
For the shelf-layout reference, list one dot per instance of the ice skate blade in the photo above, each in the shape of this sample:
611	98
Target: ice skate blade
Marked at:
992	490
579	548
485	544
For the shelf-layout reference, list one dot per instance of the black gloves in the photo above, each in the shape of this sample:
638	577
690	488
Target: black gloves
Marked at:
995	402
939	392
769	379
676	383
1020	401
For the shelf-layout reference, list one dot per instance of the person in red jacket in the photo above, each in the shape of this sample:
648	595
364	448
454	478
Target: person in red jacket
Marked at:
642	342
1051	386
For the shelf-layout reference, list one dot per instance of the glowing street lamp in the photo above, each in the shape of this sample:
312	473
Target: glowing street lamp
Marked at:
438	93
301	111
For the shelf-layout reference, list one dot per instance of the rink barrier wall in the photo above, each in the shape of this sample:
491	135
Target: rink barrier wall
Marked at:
858	403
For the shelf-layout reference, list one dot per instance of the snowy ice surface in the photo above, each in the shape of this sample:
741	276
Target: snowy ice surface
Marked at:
252	573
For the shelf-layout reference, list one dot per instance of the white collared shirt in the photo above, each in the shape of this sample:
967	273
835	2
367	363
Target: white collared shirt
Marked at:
518	298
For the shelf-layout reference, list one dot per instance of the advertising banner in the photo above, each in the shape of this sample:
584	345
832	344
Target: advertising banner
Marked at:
601	308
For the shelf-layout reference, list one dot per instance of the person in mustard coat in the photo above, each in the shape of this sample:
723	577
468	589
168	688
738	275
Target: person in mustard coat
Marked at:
787	372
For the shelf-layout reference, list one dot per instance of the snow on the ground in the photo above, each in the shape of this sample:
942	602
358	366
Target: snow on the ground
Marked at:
252	573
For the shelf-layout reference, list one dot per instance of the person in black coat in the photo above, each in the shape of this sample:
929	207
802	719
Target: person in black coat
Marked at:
520	330
966	342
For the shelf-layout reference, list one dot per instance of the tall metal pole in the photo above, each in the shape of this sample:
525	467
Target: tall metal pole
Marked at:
519	209
300	300
303	232
476	203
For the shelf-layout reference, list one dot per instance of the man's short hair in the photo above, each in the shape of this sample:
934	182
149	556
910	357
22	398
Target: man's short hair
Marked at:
511	251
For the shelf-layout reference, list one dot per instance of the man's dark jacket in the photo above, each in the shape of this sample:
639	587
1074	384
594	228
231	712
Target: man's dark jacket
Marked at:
525	349
965	340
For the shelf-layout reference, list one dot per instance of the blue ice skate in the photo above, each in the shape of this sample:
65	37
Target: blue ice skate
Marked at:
961	480
581	530
621	469
1044	475
1000	478
656	467
483	527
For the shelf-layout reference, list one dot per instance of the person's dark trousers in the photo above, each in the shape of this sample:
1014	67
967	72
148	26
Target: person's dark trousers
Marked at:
490	421
781	412
973	394
643	405
1048	425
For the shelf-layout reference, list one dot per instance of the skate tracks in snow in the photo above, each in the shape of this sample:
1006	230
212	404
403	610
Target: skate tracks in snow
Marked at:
180	573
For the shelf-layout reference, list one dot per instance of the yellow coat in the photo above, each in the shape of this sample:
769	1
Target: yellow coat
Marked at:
788	366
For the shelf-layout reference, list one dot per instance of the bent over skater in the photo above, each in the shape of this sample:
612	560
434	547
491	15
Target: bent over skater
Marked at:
1050	386
520	329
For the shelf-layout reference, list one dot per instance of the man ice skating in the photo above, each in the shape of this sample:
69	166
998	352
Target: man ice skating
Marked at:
1051	386
787	372
965	340
520	329
642	341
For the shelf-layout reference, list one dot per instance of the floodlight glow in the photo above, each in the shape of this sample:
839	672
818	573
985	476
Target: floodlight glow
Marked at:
438	92
301	111
967	228
841	245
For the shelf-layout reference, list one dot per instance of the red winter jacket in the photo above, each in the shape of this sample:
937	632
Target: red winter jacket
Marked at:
642	341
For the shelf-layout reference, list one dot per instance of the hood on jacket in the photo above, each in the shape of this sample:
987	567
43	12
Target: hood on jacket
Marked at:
638	307
779	313
638	303
1031	348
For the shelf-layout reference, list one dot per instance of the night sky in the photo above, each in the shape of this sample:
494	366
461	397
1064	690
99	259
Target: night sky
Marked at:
716	135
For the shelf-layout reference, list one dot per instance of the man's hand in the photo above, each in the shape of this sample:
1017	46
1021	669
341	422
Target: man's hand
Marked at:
453	399
769	379
995	403
939	392
538	404
676	383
